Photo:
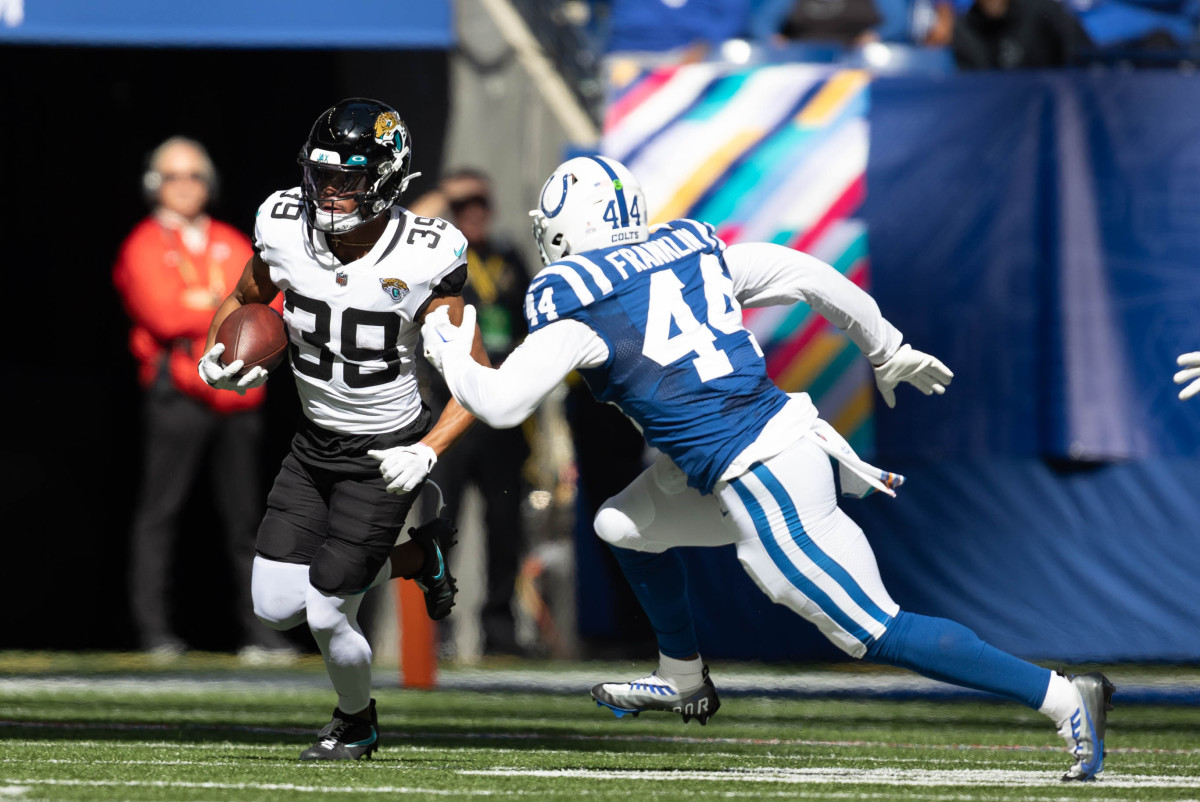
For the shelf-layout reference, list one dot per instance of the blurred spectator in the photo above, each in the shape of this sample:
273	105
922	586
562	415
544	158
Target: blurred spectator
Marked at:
683	30
492	460
847	23
173	270
1147	26
1016	34
931	22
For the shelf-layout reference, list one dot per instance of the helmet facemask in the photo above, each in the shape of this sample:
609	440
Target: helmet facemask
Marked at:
551	246
323	183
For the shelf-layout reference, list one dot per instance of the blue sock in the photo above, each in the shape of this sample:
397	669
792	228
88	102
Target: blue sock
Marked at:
660	583
945	650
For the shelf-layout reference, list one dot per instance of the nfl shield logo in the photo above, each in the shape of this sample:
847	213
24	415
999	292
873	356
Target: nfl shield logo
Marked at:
341	278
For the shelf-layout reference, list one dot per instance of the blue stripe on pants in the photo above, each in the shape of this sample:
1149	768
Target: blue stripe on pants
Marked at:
814	552
786	567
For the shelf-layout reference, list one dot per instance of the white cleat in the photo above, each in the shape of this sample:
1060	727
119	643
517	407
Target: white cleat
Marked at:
656	693
1084	729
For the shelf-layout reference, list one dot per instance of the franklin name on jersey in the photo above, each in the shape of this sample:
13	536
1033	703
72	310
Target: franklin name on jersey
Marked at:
680	360
353	328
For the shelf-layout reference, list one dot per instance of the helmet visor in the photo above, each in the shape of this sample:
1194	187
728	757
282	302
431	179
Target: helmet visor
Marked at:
332	181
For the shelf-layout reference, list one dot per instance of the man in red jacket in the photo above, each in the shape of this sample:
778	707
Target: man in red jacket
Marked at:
173	271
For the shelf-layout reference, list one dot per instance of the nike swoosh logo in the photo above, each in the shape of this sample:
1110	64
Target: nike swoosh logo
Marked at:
460	250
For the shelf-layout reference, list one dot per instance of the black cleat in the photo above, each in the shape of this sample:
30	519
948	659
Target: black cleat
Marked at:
346	737
436	537
655	693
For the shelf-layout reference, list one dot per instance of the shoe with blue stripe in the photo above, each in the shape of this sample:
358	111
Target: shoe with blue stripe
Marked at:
1084	729
435	580
346	737
656	693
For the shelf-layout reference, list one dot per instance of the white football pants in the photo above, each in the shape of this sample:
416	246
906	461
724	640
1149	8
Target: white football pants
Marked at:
284	598
793	540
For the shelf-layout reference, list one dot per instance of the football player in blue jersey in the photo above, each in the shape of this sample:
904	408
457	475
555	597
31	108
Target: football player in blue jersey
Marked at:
652	320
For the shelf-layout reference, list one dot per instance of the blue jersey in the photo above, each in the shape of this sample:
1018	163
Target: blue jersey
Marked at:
680	364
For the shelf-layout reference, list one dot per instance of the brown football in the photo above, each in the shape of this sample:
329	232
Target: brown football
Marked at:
255	334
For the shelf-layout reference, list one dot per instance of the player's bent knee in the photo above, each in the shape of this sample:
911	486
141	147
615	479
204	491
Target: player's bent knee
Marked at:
279	619
616	528
613	526
277	591
276	540
341	574
331	619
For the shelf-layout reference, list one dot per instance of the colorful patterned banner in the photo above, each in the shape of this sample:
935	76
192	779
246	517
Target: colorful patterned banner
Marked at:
775	154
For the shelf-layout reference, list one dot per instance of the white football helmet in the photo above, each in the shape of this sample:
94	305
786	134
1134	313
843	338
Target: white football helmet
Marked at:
589	202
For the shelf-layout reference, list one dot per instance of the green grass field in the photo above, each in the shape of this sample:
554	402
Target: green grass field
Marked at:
99	727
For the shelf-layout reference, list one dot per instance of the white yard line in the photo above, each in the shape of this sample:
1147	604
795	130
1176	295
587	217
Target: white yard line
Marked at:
305	789
1006	778
34	759
910	778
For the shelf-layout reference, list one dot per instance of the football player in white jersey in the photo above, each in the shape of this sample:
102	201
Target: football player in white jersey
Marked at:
652	320
359	273
1192	374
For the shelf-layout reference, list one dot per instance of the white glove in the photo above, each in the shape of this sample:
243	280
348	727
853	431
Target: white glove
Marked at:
404	467
1192	363
445	342
921	370
224	377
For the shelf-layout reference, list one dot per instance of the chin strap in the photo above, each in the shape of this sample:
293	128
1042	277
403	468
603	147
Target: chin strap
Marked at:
405	182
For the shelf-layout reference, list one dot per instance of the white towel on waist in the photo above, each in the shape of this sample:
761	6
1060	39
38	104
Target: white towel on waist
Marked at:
858	477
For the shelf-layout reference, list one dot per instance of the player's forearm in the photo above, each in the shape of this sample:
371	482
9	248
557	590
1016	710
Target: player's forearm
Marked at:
450	427
254	287
223	311
504	397
455	420
500	400
772	275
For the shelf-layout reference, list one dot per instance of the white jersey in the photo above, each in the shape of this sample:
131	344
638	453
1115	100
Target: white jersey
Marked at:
352	326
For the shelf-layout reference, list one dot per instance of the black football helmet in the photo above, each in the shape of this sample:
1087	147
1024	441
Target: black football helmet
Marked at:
359	149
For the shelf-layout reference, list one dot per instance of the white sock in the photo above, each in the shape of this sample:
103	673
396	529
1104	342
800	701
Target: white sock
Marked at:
1061	699
347	654
685	675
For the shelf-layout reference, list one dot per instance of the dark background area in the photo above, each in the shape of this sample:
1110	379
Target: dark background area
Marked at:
76	126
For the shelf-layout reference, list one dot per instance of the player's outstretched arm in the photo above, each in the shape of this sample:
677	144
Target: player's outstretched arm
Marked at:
504	397
765	274
1191	361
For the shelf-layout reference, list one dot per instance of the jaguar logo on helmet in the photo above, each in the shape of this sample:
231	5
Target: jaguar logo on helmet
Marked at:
387	126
